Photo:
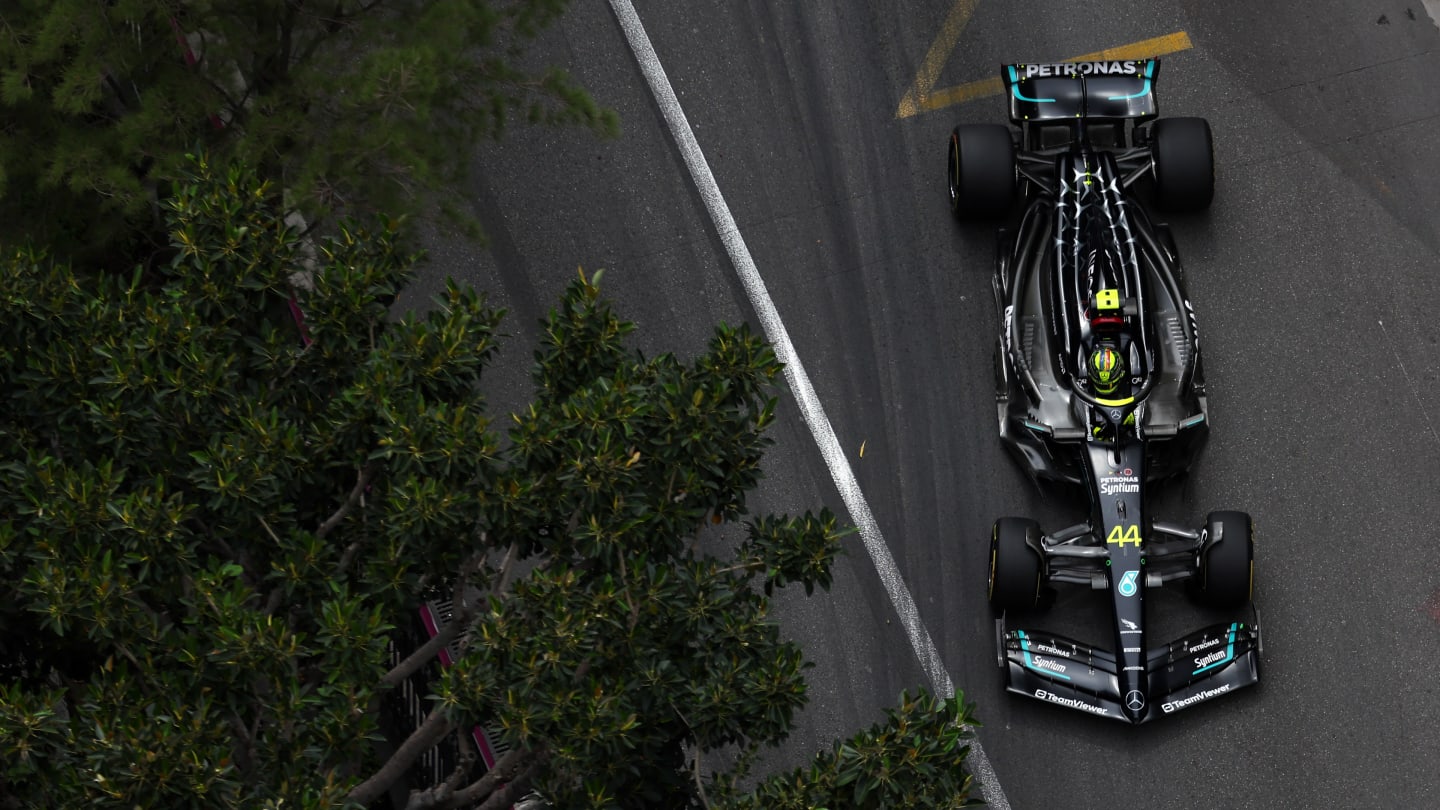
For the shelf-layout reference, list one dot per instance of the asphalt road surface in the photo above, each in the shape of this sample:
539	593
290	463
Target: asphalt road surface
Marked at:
1314	276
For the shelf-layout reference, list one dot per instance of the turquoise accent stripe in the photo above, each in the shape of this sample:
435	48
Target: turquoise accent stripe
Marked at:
1149	69
1229	652
1025	645
1015	88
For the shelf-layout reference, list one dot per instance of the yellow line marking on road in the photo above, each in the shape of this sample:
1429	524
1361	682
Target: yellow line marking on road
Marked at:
916	101
940	50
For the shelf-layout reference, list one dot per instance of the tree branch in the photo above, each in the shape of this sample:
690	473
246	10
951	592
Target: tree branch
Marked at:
229	553
464	612
426	652
502	577
625	588
436	726
270	531
700	783
229	101
308	50
434	796
287	33
468	755
272	603
331	23
362	10
245	756
334	520
345	559
510	777
226	549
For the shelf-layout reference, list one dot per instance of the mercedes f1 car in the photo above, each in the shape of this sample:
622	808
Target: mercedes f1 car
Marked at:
1098	382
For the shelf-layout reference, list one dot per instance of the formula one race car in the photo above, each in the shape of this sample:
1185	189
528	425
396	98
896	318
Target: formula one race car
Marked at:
1099	382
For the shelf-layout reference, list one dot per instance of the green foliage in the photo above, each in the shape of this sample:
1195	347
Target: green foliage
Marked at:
915	758
171	456
351	105
213	521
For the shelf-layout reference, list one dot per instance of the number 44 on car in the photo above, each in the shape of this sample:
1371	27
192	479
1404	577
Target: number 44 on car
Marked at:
1099	384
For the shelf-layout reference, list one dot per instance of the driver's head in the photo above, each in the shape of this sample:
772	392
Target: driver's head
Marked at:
1107	370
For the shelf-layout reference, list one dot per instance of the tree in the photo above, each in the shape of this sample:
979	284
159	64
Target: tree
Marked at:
916	758
211	526
367	105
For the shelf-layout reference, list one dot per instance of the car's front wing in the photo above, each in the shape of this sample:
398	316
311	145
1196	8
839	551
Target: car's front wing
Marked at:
1206	664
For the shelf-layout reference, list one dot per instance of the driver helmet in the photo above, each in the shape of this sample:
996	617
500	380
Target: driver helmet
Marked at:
1107	370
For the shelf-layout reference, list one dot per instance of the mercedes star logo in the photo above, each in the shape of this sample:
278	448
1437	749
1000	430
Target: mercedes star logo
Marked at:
1134	701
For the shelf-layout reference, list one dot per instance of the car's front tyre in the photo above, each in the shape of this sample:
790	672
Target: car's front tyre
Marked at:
1016	567
1226	574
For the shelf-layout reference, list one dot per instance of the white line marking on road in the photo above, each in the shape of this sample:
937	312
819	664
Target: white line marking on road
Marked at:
799	381
1432	7
1409	382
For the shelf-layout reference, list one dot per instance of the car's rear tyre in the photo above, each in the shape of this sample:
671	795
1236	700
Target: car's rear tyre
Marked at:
981	171
1226	575
1016	570
1184	164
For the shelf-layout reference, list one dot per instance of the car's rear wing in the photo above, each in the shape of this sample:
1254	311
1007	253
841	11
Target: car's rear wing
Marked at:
1123	88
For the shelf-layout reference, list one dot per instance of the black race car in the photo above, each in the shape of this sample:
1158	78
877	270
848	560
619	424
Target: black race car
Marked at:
1098	382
